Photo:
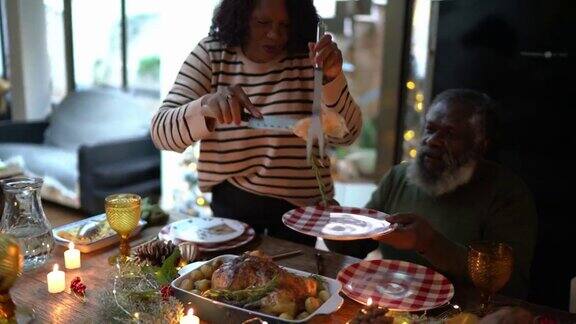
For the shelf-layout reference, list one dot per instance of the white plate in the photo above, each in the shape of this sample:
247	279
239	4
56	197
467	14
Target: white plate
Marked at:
101	243
397	285
166	234
337	222
207	230
328	307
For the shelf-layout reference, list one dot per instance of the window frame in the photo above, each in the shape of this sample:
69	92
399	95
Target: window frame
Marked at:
3	46
69	43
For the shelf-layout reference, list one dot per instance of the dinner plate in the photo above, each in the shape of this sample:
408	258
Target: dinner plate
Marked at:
397	285
166	234
337	223
207	229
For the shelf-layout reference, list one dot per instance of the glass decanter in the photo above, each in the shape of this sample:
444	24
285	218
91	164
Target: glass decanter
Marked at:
24	219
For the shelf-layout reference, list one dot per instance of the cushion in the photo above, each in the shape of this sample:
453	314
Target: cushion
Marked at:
45	161
94	116
126	172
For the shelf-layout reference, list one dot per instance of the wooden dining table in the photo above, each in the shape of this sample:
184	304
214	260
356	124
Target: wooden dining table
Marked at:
31	288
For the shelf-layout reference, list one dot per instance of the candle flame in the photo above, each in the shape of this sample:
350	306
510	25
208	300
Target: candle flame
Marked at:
369	301
55	268
190	312
71	245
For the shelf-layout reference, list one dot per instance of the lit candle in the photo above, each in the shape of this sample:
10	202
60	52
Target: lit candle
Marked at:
72	257
56	280
190	318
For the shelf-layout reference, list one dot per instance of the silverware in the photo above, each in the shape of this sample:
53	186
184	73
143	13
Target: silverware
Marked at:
452	310
286	254
315	132
319	265
270	122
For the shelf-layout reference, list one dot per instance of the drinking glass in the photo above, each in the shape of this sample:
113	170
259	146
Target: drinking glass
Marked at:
123	215
490	266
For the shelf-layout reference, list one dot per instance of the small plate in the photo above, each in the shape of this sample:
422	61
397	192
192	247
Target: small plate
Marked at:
166	234
337	223
95	245
397	285
207	230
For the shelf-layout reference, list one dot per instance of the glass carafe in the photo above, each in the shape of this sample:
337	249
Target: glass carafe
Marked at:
24	219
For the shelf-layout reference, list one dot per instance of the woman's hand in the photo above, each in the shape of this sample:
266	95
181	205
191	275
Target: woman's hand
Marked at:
326	54
227	104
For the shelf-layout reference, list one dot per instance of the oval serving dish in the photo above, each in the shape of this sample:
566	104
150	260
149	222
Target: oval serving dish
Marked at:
218	312
94	245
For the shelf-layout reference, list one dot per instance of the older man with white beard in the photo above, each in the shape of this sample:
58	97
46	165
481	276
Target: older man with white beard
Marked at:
451	196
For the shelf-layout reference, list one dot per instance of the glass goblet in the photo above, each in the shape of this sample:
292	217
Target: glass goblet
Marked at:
489	266
123	215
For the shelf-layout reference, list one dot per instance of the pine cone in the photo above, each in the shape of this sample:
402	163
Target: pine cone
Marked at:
155	252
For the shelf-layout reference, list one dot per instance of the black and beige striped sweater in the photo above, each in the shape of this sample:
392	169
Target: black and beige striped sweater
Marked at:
259	161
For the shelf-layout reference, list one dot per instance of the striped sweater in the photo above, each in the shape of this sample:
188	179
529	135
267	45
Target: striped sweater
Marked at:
259	161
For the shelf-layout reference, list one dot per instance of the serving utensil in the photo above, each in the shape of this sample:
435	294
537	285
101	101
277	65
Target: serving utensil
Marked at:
276	123
286	255
315	132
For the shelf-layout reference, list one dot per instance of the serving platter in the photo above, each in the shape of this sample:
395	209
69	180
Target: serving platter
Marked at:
108	240
214	311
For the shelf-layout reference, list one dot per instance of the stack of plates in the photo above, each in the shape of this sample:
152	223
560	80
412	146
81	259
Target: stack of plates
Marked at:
209	233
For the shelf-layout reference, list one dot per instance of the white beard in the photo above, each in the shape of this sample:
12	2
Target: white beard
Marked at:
447	182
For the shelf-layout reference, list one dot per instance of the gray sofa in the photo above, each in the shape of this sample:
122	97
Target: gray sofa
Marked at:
95	143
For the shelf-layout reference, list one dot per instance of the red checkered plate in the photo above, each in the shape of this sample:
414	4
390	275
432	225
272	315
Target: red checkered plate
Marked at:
337	223
167	234
397	285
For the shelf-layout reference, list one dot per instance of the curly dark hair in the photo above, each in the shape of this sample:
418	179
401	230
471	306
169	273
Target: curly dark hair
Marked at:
230	24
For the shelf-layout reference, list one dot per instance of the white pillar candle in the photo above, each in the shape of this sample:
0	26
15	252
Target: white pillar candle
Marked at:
56	280
72	257
190	318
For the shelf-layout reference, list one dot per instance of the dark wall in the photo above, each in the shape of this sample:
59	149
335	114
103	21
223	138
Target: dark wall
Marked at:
498	47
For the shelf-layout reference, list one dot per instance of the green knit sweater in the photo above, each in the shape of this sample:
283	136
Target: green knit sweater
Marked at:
495	205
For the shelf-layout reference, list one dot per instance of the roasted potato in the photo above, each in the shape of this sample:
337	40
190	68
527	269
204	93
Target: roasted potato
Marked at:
187	284
324	295
203	285
302	315
196	275
207	270
312	304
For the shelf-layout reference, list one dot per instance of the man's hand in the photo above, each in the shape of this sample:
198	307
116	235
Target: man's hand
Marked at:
413	232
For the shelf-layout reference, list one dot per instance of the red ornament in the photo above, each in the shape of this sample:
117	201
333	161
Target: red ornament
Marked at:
166	292
78	287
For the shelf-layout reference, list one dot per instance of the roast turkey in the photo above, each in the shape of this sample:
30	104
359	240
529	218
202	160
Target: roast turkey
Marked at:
253	270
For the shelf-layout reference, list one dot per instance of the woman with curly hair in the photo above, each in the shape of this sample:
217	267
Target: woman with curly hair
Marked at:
258	57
